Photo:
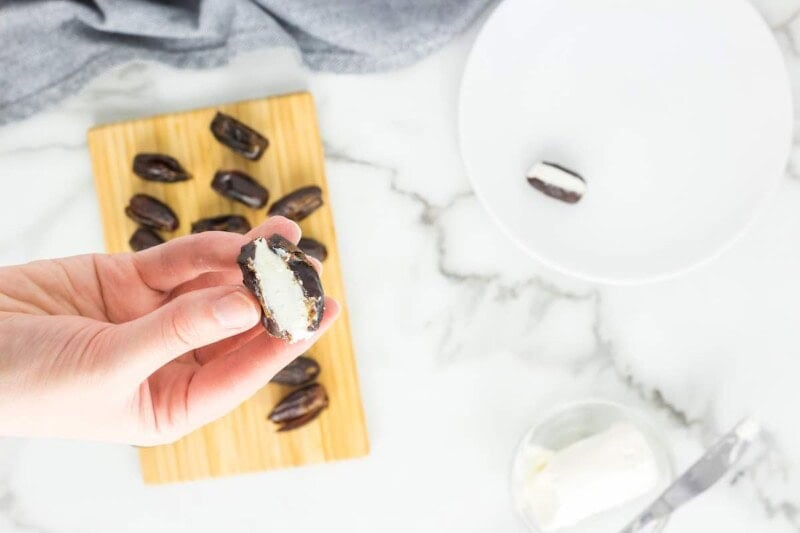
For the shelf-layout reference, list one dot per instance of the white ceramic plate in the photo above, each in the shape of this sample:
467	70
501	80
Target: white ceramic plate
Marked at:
676	112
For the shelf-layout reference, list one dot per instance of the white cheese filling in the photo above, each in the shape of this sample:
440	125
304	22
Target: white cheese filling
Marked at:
281	291
589	476
558	178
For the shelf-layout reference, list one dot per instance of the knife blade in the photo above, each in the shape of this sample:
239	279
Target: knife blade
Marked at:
717	460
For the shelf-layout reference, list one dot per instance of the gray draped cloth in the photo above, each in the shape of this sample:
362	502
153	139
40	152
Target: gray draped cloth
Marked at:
51	48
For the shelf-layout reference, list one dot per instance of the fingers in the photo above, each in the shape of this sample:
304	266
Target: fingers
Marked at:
225	382
316	264
166	266
224	347
209	279
280	225
223	277
188	322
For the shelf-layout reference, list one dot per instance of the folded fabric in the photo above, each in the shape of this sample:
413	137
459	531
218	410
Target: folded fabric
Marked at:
51	48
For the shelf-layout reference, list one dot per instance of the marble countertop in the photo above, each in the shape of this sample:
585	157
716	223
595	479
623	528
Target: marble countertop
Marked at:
457	350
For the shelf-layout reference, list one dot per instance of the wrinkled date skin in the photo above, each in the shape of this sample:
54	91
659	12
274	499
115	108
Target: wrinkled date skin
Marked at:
298	204
237	185
159	167
239	137
151	213
231	223
313	248
301	371
300	407
144	238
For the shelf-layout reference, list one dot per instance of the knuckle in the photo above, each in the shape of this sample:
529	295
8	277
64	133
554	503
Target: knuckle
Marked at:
182	329
200	246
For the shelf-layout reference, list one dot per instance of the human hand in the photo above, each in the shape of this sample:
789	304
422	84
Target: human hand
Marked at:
137	348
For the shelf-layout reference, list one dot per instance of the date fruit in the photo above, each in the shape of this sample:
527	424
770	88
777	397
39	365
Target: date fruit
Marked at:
239	137
299	407
159	167
237	185
298	204
144	238
232	223
557	182
313	248
286	285
301	371
151	213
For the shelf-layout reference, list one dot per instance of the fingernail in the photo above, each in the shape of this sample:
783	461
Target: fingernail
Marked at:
291	229
317	265
236	311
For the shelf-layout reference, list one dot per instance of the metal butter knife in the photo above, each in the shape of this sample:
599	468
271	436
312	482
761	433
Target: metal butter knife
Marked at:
700	476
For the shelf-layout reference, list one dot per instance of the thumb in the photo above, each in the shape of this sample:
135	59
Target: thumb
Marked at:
188	322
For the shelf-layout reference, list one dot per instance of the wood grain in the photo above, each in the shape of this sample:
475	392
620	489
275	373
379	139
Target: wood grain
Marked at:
244	440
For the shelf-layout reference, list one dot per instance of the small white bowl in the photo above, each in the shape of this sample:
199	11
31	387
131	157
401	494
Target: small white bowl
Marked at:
574	421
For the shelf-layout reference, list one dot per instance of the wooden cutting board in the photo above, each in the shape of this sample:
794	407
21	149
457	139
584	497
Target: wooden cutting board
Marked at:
244	440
